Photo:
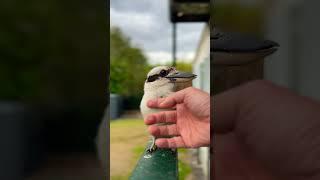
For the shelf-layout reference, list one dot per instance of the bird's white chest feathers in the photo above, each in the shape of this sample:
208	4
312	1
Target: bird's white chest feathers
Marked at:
153	94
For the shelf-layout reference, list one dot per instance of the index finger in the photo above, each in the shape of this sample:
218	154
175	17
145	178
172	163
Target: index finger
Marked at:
170	101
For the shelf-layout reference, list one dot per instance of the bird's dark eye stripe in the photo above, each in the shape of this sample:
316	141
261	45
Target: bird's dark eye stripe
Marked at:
152	78
162	73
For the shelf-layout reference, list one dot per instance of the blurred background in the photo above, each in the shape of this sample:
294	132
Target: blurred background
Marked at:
53	75
144	34
290	23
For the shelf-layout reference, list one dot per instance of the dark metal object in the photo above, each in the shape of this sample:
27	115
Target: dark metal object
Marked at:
189	10
174	44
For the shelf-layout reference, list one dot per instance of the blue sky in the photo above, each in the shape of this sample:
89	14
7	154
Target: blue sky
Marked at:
147	23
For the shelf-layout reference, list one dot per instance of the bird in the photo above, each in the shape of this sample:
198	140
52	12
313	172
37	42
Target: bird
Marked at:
162	81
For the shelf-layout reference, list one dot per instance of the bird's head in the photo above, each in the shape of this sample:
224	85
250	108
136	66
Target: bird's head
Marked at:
161	76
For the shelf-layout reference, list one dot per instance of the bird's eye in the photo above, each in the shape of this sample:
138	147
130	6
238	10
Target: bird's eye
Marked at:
163	73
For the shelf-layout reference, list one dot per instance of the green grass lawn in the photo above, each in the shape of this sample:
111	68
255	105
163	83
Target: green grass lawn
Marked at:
128	138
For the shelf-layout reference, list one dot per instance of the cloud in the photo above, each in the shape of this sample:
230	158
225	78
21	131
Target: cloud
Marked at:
146	6
147	23
159	57
129	21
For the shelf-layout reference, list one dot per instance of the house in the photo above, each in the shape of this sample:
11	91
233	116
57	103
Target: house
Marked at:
184	12
201	67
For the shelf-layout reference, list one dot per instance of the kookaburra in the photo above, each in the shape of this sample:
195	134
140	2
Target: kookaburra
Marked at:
162	81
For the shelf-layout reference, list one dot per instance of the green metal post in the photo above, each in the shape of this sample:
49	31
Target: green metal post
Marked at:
159	165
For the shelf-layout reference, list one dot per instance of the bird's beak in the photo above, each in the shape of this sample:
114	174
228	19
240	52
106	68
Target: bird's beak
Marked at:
181	77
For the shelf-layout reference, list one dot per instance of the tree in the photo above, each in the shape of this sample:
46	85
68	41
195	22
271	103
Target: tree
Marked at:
128	65
180	65
184	66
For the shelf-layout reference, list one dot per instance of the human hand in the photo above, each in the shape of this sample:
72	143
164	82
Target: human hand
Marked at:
266	132
190	119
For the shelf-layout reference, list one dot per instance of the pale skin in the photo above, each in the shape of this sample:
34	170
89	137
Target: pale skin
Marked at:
190	119
262	131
